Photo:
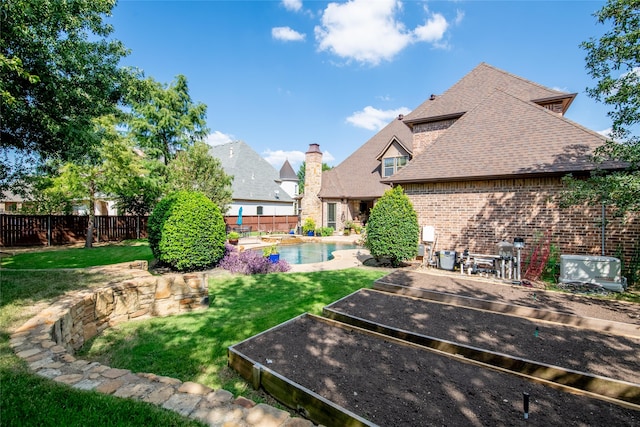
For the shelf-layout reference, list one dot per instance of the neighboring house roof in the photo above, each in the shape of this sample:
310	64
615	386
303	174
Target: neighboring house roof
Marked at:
287	173
504	136
473	88
11	197
254	179
358	176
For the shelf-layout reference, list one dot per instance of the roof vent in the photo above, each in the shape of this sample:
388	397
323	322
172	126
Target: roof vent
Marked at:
432	97
400	116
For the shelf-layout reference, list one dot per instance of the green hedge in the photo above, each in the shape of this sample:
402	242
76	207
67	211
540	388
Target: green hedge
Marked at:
392	230
187	231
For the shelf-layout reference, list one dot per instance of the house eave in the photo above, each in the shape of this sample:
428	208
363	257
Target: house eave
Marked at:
555	174
412	122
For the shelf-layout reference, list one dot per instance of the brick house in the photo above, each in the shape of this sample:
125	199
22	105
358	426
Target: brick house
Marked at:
481	163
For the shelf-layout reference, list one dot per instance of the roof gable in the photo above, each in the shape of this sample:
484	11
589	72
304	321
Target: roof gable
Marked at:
358	176
253	177
474	87
392	141
504	136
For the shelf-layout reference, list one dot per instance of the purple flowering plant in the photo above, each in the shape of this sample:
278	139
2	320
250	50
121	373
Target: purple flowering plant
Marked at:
250	262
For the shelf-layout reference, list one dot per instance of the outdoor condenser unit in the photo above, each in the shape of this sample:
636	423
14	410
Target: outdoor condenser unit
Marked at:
602	270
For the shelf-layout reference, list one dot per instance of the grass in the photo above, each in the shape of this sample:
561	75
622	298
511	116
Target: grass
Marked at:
193	347
29	400
79	257
190	347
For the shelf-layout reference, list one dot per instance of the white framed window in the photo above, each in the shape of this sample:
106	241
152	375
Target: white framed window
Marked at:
391	165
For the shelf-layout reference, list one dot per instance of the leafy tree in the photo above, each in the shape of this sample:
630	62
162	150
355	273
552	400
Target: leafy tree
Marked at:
58	71
164	119
302	172
187	231
392	229
613	61
106	171
195	169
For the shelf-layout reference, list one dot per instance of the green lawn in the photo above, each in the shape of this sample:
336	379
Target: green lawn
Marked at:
29	400
79	257
193	347
189	347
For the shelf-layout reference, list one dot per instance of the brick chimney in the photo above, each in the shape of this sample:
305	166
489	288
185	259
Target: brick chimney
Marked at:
311	204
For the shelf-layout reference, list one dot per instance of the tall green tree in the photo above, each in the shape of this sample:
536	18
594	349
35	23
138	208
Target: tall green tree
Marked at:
167	120
613	60
194	169
59	70
104	173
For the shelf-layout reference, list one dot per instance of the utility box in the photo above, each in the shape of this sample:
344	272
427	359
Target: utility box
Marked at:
447	260
428	233
602	270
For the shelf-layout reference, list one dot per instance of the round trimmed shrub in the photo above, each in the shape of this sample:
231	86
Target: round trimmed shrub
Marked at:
187	231
392	228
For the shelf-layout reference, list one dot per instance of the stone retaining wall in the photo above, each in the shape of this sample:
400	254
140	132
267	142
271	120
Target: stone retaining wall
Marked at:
47	343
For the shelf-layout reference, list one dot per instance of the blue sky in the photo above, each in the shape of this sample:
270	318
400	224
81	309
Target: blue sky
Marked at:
280	75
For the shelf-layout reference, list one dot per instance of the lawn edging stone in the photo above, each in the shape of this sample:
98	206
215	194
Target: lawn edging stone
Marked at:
47	343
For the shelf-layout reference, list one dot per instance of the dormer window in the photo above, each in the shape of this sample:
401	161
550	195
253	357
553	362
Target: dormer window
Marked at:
392	165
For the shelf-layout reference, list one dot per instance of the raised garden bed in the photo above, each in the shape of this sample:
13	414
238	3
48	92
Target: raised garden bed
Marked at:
394	383
339	374
594	361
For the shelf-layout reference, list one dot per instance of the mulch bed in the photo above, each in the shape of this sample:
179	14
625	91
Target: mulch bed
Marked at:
393	384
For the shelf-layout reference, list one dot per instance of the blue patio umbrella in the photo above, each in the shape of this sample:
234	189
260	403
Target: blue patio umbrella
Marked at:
239	221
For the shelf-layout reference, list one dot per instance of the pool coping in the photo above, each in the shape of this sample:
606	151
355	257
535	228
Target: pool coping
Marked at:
342	259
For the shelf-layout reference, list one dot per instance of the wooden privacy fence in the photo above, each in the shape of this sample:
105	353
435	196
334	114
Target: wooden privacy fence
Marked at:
48	230
265	223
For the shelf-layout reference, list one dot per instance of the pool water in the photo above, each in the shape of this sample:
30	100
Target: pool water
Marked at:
307	253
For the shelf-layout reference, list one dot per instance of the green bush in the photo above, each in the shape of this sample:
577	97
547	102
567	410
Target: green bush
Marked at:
392	230
308	225
324	231
187	231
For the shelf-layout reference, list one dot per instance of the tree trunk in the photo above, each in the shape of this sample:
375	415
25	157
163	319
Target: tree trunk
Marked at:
92	215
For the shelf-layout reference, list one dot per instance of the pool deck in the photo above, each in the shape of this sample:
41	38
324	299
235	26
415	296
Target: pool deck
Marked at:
347	258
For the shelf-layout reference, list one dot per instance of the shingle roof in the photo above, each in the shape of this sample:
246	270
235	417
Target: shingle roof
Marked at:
358	176
476	86
254	178
287	173
504	136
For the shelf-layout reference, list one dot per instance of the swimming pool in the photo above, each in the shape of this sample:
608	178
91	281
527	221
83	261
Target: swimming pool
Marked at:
307	253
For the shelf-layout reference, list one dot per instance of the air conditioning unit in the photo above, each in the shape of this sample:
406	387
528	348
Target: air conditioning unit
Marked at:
602	270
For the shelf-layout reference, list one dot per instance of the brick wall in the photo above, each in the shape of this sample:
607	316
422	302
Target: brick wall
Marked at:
425	134
477	215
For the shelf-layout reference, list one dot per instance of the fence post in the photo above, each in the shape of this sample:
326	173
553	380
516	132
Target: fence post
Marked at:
49	230
138	227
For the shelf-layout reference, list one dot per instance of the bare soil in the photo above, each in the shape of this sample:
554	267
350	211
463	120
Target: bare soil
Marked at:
392	384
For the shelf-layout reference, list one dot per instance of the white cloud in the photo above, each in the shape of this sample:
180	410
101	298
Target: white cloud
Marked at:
366	31
606	132
292	5
433	30
369	31
327	158
217	138
373	119
276	158
287	34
